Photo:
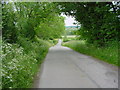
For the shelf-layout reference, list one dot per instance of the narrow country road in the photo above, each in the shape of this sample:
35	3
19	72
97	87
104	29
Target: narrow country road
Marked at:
66	68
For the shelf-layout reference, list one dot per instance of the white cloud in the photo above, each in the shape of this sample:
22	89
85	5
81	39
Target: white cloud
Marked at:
69	20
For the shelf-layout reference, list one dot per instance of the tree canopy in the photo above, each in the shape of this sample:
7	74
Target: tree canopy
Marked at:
30	20
99	20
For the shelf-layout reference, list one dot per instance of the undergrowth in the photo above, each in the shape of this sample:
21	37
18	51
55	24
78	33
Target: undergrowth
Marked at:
20	62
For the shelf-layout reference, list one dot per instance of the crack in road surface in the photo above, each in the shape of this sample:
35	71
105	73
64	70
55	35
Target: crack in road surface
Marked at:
65	68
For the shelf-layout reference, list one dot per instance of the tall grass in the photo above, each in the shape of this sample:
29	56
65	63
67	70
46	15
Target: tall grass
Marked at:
20	63
108	53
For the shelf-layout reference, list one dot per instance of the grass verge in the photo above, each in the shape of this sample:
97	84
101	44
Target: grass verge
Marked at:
108	54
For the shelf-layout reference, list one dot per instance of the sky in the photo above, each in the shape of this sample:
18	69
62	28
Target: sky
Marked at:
69	20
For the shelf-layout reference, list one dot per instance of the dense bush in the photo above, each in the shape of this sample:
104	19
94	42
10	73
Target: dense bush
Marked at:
21	64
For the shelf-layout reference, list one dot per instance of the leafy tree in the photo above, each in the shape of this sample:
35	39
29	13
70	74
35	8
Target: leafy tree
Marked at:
8	23
99	20
31	19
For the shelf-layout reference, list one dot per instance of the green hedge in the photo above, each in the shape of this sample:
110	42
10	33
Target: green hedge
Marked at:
21	63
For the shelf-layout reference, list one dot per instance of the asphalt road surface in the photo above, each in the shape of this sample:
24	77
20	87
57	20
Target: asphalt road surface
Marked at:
66	68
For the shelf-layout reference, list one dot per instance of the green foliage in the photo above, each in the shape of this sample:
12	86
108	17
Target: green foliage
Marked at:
19	66
108	54
0	62
51	29
69	38
99	21
31	19
27	28
53	42
8	24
